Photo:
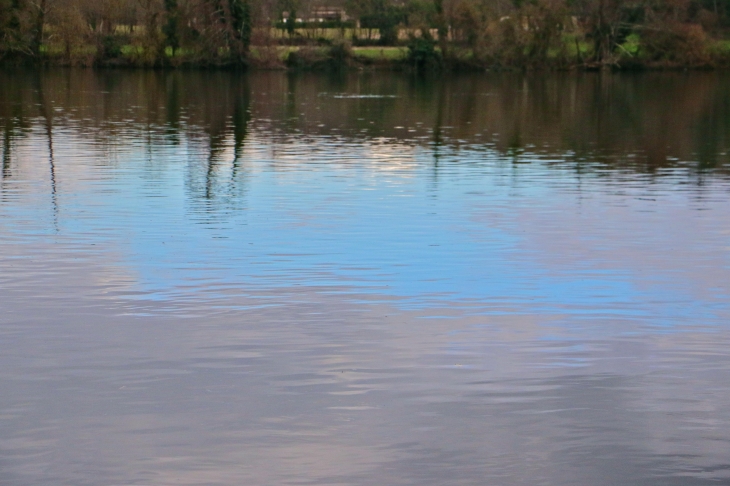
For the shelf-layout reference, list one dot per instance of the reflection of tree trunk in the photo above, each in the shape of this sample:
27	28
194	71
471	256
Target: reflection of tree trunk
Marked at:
437	140
241	117
291	97
173	102
7	149
216	147
48	122
14	124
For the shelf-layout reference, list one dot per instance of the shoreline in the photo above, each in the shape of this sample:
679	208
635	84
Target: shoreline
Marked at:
325	63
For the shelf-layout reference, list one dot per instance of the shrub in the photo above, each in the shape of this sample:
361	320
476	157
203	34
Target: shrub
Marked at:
675	43
111	46
422	53
339	54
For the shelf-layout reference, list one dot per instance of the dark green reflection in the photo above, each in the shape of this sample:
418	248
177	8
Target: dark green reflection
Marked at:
639	122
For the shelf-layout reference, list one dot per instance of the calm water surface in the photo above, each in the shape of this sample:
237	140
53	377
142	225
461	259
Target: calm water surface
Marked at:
370	279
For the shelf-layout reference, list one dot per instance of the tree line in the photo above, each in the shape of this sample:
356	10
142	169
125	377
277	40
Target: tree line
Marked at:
504	33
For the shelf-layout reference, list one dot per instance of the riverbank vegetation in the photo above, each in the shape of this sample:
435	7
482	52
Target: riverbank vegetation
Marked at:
417	34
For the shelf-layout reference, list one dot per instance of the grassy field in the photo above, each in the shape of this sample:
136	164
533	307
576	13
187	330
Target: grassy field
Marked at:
380	53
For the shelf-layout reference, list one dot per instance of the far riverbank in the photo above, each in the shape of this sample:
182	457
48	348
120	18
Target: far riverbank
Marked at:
418	55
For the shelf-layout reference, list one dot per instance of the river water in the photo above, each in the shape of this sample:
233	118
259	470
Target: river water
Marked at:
364	279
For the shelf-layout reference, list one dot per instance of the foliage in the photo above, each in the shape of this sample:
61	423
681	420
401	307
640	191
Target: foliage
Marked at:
479	33
111	46
170	29
385	17
340	53
675	42
422	53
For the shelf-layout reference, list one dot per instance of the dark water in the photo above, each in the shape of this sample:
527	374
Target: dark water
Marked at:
366	279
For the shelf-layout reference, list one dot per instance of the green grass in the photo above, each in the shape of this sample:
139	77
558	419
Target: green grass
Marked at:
380	53
721	47
58	49
179	52
631	45
130	50
580	49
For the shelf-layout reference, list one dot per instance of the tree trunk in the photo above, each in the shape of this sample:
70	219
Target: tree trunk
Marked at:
442	29
40	20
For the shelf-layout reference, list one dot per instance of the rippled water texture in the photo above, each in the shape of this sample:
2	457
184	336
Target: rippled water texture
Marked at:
373	279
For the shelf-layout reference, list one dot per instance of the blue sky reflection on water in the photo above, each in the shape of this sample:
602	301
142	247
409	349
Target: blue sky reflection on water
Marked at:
393	227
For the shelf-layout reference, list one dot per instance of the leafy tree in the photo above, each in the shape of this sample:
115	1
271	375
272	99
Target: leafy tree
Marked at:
384	16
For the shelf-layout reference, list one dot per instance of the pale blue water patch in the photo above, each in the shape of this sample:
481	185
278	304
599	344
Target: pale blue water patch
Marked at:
395	227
